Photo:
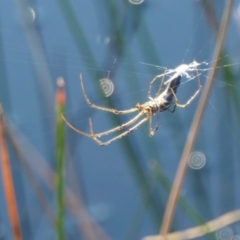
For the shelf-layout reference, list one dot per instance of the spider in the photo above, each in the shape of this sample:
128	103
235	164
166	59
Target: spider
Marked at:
147	110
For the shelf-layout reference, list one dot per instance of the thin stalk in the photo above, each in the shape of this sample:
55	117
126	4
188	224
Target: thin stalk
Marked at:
168	216
21	156
206	228
8	182
60	159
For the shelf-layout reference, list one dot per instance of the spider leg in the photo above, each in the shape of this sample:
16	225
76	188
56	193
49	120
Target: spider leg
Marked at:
153	130
118	128
172	110
75	129
98	135
127	132
191	98
189	101
154	79
160	87
104	108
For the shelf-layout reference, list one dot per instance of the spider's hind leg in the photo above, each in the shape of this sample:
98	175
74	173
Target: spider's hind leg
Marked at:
151	129
95	137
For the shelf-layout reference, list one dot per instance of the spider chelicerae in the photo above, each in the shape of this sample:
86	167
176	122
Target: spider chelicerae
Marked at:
163	101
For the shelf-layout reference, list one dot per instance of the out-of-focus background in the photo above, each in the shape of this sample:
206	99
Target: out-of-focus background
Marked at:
119	191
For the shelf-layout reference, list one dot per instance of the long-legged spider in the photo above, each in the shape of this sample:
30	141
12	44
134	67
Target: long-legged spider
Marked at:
160	103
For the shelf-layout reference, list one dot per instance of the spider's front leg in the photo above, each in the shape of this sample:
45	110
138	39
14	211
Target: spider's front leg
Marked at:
191	98
90	104
160	87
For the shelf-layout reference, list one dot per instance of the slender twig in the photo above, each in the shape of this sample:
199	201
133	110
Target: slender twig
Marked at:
168	216
210	226
8	181
21	156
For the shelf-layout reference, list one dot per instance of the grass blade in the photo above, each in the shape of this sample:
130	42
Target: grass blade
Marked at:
60	159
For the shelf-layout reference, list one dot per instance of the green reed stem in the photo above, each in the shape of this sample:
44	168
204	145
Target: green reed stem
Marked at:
60	141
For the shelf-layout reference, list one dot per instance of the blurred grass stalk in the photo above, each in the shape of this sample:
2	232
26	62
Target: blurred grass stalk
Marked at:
168	216
229	75
60	141
8	181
